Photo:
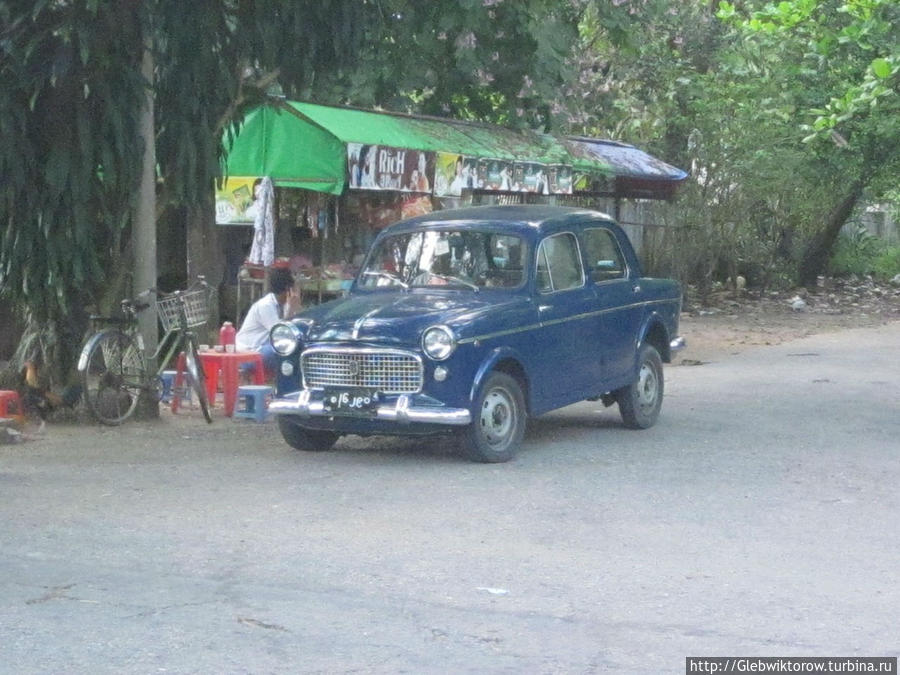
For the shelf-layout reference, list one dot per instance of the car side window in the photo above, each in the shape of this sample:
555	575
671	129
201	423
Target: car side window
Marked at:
604	257
559	264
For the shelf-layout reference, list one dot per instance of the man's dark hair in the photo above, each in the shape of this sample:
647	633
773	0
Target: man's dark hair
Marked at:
280	280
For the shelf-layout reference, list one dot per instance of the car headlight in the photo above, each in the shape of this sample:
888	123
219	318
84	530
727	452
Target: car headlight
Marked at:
438	342
284	337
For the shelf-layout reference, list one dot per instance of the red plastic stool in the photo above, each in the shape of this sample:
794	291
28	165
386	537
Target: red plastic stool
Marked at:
11	406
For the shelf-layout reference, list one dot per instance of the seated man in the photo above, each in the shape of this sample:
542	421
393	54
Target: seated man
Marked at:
265	313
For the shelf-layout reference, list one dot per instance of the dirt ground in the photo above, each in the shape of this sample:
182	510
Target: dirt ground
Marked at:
729	323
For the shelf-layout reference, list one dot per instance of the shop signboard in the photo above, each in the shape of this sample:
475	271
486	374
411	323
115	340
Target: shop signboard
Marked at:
381	167
236	201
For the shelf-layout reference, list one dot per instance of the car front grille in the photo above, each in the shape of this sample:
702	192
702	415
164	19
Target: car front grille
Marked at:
388	371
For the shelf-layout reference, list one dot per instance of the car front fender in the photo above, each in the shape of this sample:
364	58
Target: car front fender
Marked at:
507	360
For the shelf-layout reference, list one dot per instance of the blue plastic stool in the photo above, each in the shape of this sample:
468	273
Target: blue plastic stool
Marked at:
168	383
251	401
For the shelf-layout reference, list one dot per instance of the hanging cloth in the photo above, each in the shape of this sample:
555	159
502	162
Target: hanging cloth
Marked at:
263	250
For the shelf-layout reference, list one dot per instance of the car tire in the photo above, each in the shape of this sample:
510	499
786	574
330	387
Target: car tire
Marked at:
301	438
499	421
640	402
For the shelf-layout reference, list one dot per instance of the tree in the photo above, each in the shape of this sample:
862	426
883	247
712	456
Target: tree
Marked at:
776	108
489	60
841	62
66	160
70	97
71	91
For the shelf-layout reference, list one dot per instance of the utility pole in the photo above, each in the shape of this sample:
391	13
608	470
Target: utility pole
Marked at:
144	236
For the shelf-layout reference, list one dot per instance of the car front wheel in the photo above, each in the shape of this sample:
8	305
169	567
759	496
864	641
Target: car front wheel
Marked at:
499	421
300	438
640	402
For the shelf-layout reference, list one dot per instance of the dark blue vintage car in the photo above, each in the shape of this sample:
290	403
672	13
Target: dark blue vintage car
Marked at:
470	321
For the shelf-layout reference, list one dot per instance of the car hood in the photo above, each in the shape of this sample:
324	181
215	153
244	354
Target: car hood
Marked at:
398	318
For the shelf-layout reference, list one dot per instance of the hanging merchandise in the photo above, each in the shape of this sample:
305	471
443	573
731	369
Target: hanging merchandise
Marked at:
262	252
323	221
312	215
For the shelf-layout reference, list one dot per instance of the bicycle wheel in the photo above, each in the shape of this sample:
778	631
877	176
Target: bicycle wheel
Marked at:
112	374
198	377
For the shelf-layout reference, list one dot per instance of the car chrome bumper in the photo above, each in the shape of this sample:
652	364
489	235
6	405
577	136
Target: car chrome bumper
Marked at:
677	344
402	411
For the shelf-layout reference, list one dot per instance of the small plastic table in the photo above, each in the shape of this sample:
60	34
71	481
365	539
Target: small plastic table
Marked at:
229	364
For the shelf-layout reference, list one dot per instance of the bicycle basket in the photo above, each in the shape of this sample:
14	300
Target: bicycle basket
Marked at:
196	308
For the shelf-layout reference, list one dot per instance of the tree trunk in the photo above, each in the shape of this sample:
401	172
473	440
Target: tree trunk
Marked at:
817	252
144	234
205	257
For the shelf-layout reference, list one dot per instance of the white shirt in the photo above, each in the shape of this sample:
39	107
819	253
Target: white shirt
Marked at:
261	316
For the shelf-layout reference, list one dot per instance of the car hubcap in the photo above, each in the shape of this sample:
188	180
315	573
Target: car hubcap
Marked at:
648	387
497	417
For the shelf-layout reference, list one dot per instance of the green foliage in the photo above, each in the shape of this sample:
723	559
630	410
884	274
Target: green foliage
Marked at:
847	52
70	92
855	253
732	92
249	49
836	60
860	253
887	263
490	60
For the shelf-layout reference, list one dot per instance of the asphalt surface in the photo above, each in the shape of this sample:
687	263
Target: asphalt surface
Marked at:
759	517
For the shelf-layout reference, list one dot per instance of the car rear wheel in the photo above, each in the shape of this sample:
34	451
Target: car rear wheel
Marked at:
499	421
300	438
640	402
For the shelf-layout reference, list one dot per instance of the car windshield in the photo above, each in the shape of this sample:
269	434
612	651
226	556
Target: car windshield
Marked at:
441	258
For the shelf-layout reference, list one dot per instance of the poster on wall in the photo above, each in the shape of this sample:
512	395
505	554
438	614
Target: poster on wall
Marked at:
381	167
531	177
453	173
560	179
236	202
447	174
496	174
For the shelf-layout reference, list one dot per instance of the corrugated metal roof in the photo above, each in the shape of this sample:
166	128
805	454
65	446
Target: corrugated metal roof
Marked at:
419	132
625	160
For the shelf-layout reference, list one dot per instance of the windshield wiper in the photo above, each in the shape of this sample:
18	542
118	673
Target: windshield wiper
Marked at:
386	275
457	280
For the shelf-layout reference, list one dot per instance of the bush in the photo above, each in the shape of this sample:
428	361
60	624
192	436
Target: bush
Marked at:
887	263
854	253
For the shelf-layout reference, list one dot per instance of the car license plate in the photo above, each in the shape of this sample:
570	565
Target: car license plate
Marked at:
351	401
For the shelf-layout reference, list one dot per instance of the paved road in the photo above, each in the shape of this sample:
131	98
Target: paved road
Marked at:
759	517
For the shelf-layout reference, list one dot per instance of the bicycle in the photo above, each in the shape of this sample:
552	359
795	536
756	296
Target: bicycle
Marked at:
113	367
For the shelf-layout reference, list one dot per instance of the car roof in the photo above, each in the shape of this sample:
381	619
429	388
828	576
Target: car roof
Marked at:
536	217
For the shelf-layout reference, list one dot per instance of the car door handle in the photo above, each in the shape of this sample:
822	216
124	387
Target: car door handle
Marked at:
544	308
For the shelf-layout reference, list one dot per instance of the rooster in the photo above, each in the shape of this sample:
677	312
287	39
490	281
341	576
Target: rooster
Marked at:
37	397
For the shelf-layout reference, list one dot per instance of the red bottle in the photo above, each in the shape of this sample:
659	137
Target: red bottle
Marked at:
226	336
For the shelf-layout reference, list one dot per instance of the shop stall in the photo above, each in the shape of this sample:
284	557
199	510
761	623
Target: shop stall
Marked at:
309	186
